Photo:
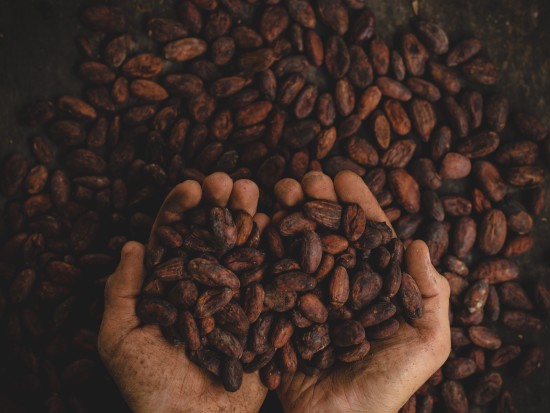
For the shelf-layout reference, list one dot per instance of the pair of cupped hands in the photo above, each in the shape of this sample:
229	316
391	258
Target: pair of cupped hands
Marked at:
156	376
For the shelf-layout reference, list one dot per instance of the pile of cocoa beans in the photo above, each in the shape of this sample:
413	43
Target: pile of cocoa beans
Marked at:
266	90
192	282
312	299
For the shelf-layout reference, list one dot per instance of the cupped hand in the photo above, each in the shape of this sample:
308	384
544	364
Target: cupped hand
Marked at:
152	374
395	367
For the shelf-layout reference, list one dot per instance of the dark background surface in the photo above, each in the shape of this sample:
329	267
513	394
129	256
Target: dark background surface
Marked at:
37	57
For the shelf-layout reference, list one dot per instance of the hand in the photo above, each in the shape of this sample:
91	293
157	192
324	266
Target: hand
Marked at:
152	374
395	367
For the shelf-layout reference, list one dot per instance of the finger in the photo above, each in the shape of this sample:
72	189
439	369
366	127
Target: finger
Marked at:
351	188
244	196
216	188
277	217
317	185
288	192
419	266
123	288
433	287
262	221
183	197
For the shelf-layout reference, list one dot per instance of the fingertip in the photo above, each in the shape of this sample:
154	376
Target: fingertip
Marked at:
262	221
184	196
318	185
245	196
419	266
189	193
351	188
418	247
132	249
217	187
345	174
128	277
288	192
348	186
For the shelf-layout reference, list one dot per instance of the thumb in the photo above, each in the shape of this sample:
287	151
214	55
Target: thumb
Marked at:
123	288
433	287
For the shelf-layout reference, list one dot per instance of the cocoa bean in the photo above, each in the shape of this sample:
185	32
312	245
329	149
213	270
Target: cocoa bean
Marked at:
313	340
434	37
383	330
361	72
423	118
425	173
368	101
232	374
414	53
521	321
405	189
339	287
445	77
454	397
242	259
280	301
481	70
504	355
347	333
530	126
363	27
364	287
211	301
211	274
476	296
492	232
399	120
459	368
325	213
511	295
410	297
379	54
353	353
487	389
156	311
532	361
293	281
312	308
225	342
184	294
496	270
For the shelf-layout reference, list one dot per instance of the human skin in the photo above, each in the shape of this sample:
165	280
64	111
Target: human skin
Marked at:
395	367
153	375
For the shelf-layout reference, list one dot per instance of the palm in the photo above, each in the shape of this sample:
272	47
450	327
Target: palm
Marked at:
363	386
153	374
395	367
144	350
